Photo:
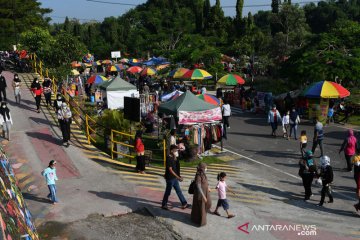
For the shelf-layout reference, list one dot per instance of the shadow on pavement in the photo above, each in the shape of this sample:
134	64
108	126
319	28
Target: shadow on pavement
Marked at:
340	135
277	154
22	105
294	165
136	203
45	137
252	134
300	203
29	196
41	121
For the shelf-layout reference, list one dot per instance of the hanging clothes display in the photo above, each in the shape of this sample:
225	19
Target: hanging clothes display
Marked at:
204	135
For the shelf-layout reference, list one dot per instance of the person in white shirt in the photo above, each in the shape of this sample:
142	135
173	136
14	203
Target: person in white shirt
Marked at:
286	124
203	90
226	112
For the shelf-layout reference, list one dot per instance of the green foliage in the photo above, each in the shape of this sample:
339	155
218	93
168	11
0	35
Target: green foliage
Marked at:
17	16
114	119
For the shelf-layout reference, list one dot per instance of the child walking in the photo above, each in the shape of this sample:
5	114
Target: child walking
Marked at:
50	176
286	124
221	188
303	142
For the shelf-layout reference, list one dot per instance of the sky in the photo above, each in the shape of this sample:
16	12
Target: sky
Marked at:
85	11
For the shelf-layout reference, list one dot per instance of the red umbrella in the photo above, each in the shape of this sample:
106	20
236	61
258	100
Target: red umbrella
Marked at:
134	69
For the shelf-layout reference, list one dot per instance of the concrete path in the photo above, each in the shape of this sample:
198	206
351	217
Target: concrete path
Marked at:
87	186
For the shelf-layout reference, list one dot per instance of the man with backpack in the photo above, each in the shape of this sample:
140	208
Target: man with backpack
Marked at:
327	176
307	172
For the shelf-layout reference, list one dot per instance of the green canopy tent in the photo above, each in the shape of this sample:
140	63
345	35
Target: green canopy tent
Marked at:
191	109
115	90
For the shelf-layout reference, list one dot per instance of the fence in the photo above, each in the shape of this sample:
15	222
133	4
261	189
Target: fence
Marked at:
120	143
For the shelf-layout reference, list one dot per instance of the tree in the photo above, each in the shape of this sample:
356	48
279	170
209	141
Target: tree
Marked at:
239	9
275	5
18	16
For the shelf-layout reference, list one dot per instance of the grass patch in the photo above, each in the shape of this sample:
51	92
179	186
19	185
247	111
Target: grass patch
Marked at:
355	120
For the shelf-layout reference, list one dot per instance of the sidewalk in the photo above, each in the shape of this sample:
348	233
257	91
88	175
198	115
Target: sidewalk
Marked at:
86	187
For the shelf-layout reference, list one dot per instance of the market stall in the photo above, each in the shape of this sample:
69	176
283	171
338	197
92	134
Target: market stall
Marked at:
115	91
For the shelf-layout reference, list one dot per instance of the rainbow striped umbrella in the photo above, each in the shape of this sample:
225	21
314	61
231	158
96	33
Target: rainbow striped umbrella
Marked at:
148	72
178	73
115	68
97	79
326	89
209	99
134	69
97	63
231	80
197	74
162	66
106	62
124	60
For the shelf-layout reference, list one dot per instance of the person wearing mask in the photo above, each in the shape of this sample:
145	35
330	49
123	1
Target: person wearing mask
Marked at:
201	199
65	118
307	172
58	102
226	112
172	177
318	136
349	147
3	87
327	176
140	151
50	177
37	91
16	86
47	91
274	118
5	120
294	122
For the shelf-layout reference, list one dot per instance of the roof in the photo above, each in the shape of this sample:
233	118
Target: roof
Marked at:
117	84
186	102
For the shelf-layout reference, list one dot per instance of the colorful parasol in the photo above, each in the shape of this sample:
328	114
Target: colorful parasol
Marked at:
326	89
114	68
106	62
197	74
124	60
75	64
97	63
178	73
148	72
209	99
75	72
88	58
162	66
231	80
97	79
134	69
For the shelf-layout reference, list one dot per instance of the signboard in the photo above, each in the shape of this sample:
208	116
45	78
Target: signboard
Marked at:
116	54
186	117
132	109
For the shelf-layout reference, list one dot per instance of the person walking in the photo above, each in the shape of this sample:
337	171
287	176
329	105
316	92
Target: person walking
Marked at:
286	124
307	172
274	118
226	112
50	177
201	200
172	177
47	91
65	118
349	147
318	137
140	151
37	91
58	102
3	87
221	188
327	177
294	122
17	88
5	120
356	162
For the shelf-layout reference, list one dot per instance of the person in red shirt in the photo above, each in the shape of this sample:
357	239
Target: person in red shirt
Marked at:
37	90
140	150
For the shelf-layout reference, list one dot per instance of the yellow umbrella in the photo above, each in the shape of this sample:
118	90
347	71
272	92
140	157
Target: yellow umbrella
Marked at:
75	72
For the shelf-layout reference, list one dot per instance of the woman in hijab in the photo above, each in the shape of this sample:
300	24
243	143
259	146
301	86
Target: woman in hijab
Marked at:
47	91
58	102
64	116
349	147
201	199
5	120
37	90
17	86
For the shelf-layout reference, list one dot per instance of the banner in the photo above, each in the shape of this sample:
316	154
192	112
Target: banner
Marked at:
207	116
318	108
